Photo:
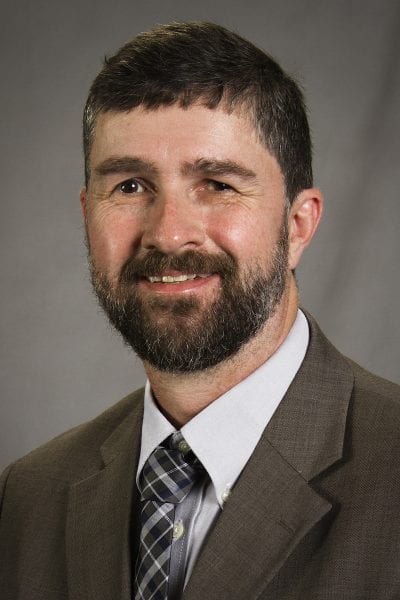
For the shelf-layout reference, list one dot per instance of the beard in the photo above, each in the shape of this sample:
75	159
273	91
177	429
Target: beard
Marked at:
180	335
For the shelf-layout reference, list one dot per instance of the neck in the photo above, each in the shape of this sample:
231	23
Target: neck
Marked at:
181	396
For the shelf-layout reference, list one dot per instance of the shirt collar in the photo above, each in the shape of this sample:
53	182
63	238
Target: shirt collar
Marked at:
224	435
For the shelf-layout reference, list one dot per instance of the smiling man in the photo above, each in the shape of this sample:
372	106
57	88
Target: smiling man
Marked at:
191	244
258	462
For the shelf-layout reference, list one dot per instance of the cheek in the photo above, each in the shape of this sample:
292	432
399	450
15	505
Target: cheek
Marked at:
112	238
244	235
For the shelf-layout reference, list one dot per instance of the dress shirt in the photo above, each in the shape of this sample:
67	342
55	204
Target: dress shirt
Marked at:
224	435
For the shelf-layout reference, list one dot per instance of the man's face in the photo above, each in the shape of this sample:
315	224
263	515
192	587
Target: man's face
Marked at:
186	227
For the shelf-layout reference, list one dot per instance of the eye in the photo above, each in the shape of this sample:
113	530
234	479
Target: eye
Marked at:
131	186
218	186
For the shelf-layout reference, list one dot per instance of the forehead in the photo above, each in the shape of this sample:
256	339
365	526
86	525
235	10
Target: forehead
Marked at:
173	134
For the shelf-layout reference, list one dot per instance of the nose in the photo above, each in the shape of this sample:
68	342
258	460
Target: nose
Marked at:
173	223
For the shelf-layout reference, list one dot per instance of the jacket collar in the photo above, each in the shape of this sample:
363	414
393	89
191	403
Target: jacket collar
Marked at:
308	428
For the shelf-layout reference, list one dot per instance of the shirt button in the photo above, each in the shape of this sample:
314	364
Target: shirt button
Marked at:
178	530
225	495
184	447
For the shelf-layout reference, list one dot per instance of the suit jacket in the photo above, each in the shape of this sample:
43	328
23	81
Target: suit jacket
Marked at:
315	514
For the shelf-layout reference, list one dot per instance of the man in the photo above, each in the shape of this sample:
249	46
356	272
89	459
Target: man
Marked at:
258	463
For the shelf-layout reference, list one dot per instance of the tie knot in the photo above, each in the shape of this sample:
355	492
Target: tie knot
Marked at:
170	472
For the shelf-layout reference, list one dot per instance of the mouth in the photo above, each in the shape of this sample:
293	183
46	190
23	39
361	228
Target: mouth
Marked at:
176	282
176	278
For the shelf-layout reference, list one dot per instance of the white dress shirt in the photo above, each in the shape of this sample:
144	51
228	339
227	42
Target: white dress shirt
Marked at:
224	435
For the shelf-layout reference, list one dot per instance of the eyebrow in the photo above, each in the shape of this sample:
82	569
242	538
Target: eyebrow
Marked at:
218	168
125	164
202	166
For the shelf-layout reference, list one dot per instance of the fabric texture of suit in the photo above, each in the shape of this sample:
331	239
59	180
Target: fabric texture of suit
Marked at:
315	514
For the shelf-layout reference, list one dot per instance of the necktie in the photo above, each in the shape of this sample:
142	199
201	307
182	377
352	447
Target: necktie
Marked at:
166	479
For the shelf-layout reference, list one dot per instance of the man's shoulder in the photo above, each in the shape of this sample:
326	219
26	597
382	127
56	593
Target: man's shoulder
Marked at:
372	385
76	452
376	405
374	402
366	382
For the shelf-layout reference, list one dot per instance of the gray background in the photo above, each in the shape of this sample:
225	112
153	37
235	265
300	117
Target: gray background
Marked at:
60	363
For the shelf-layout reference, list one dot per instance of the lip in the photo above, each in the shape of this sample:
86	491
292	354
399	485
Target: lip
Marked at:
180	287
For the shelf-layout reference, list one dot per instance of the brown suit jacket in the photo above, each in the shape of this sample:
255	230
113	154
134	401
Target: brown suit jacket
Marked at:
315	514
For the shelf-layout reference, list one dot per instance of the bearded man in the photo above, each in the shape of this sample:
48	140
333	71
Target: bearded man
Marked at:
258	462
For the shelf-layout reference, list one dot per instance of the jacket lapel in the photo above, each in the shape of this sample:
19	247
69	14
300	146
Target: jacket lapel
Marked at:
99	517
273	505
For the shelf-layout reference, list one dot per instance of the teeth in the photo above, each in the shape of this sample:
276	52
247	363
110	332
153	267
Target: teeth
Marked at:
171	279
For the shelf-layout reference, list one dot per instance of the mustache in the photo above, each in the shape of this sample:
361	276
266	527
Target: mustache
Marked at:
156	262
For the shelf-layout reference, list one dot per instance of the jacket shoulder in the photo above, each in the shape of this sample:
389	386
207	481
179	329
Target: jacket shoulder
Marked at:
375	409
371	385
372	404
368	390
75	452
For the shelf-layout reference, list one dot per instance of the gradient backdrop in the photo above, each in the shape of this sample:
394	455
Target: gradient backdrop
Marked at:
60	362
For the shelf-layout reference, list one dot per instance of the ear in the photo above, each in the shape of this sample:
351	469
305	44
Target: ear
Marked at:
82	198
304	216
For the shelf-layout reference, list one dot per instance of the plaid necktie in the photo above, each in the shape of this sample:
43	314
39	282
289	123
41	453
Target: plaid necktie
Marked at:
166	479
